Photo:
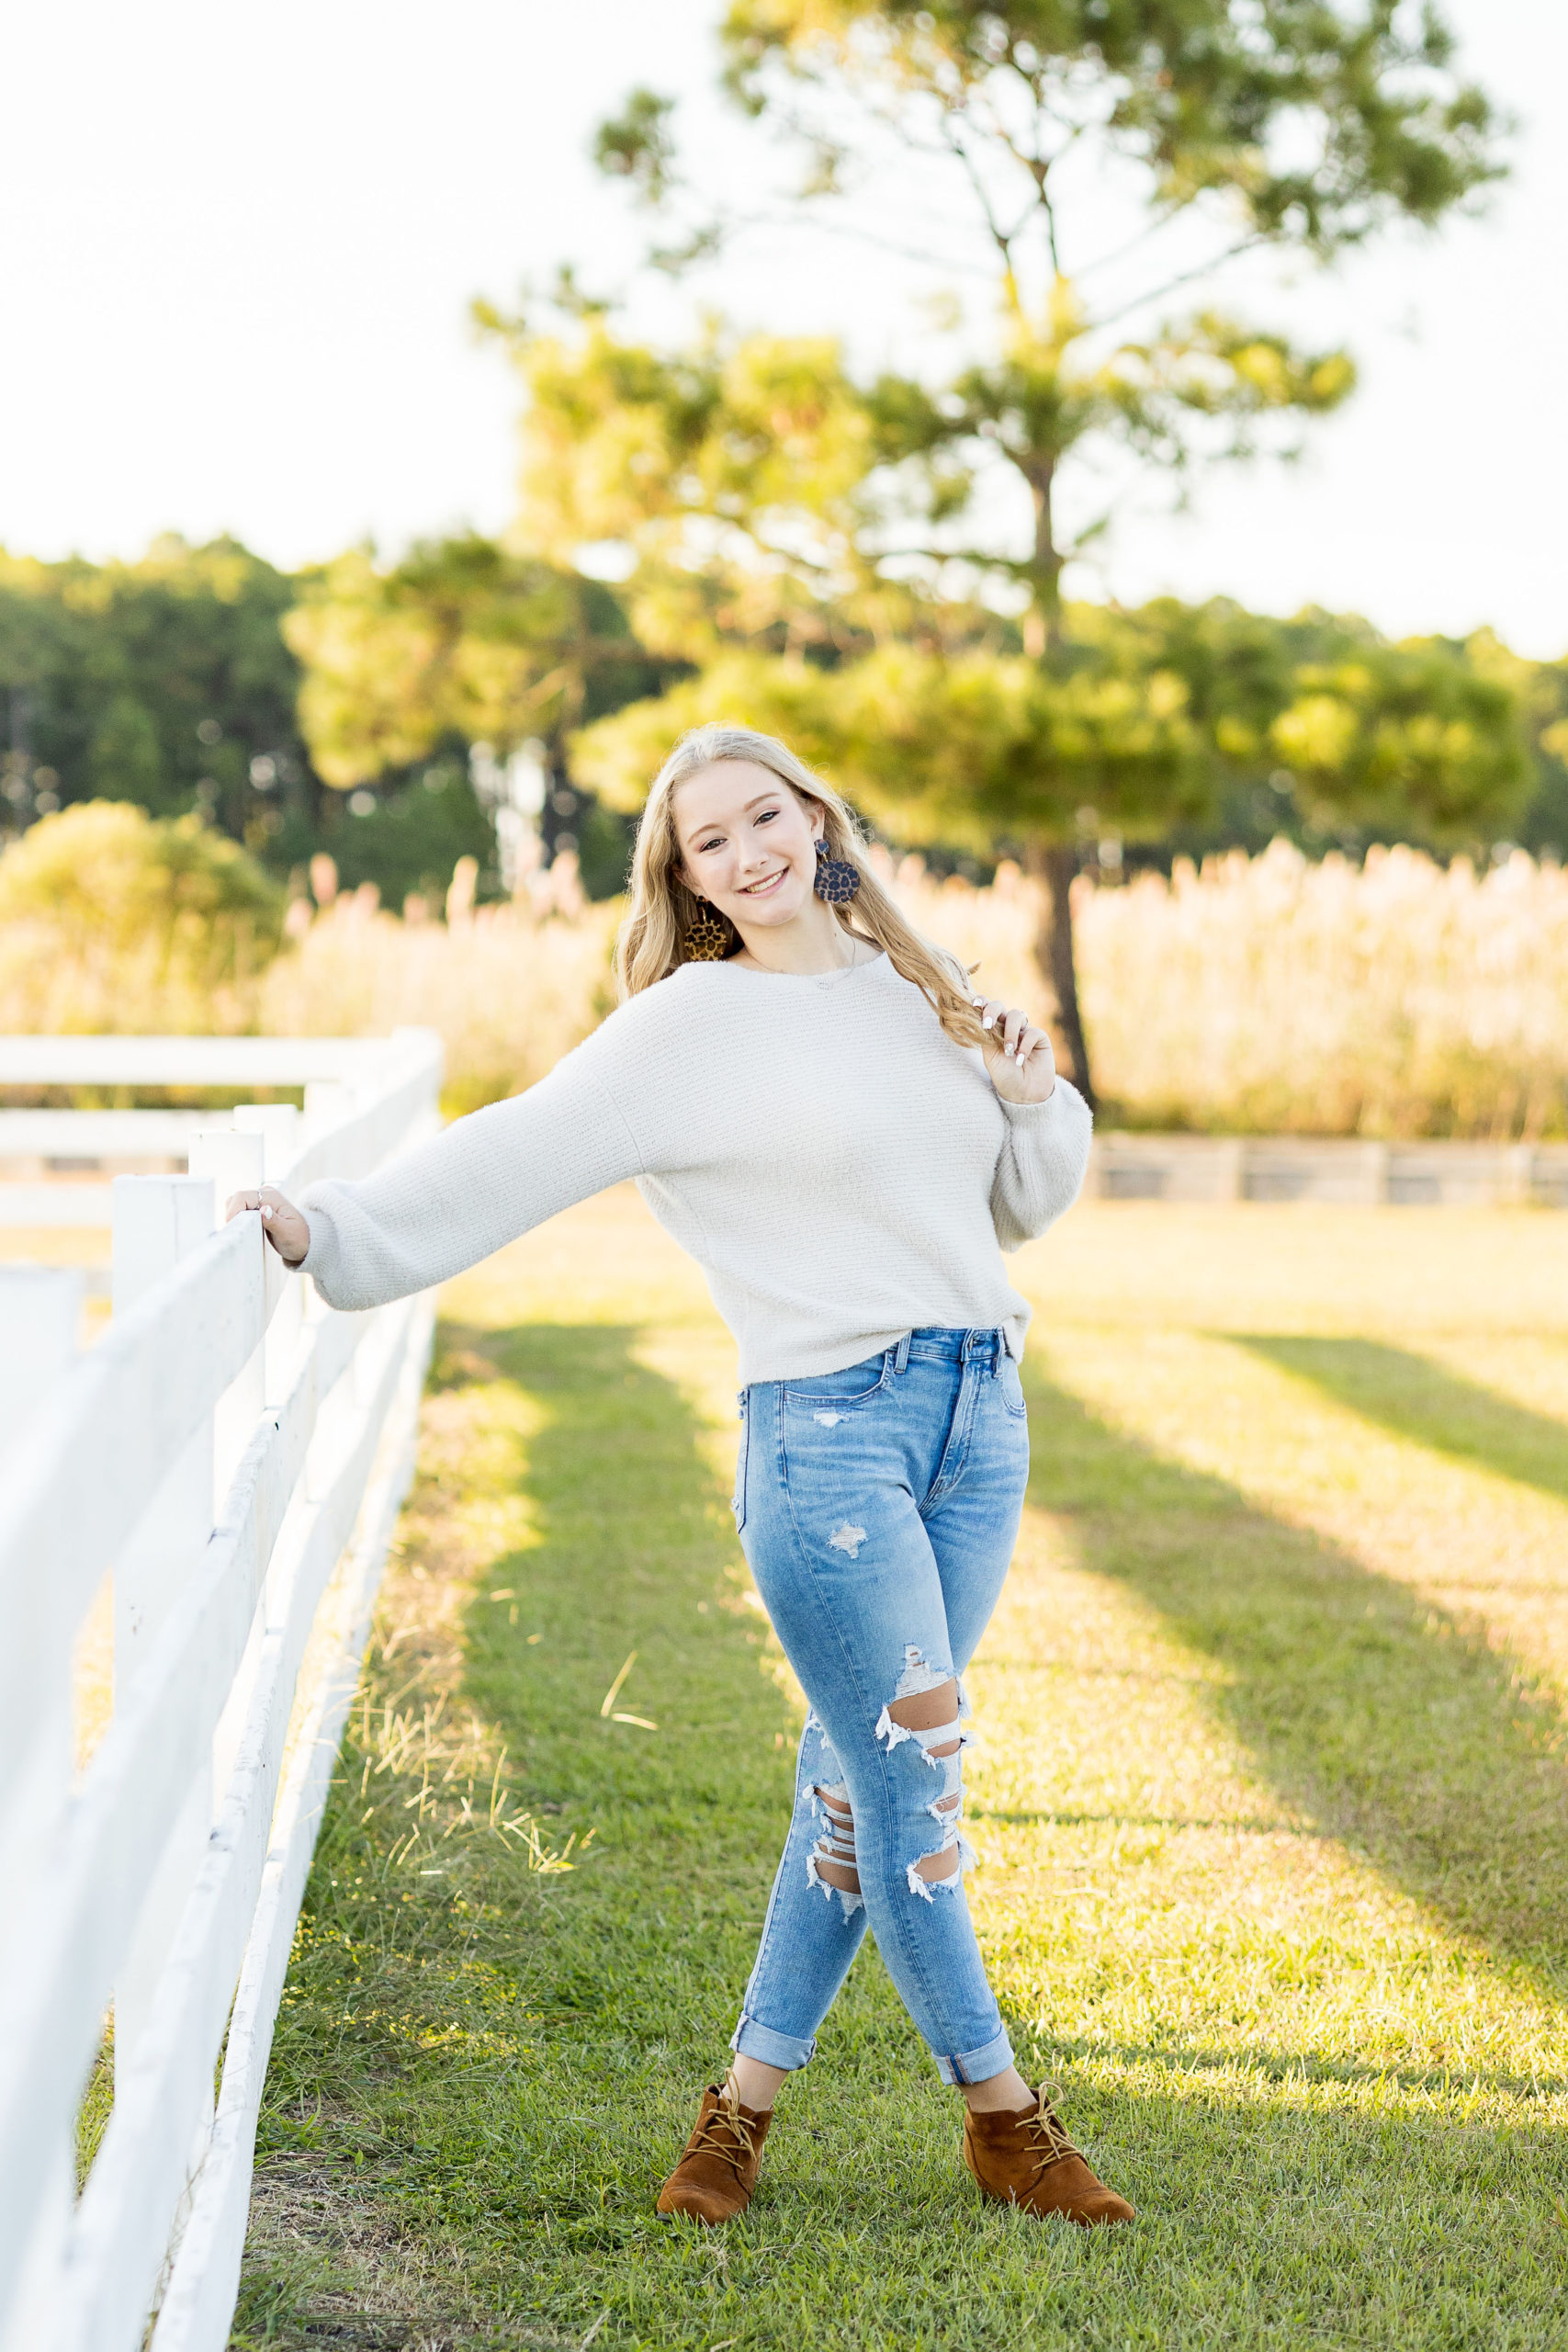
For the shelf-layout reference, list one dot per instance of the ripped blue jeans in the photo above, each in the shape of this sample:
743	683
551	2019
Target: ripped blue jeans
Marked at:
878	1509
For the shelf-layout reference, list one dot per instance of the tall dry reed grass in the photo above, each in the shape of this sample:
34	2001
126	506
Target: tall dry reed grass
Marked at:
1400	997
1395	998
1268	995
510	990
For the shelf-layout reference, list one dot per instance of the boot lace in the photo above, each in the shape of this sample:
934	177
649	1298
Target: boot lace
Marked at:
1046	2139
727	2135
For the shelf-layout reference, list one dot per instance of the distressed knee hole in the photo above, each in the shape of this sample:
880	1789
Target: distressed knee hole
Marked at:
929	1710
945	1863
841	1875
832	1863
941	1873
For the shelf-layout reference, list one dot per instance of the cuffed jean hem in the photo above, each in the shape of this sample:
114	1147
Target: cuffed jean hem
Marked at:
971	2065
750	2039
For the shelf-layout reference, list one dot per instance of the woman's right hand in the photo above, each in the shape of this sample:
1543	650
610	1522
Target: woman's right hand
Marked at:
281	1221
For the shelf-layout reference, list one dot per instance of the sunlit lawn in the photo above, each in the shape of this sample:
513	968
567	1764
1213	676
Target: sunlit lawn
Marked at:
1271	1807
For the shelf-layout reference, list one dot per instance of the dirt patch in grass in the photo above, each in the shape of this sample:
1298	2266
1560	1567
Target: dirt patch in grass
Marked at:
328	2266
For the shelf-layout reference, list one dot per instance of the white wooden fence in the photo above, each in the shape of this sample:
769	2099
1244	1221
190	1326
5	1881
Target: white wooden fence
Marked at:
1130	1167
232	1454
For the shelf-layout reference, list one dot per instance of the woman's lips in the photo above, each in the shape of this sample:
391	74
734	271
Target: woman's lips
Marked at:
760	889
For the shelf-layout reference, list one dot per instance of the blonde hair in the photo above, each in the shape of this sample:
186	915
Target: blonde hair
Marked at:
651	944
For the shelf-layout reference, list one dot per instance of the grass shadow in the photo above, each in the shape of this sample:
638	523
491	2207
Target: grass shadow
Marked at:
1413	1398
1375	1716
636	1554
507	2057
478	2077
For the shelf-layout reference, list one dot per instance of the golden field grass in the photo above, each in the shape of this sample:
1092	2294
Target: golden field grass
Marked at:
1272	1804
1396	998
509	991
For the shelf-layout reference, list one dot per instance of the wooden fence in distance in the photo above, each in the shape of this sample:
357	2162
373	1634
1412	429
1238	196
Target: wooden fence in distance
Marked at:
232	1454
1128	1166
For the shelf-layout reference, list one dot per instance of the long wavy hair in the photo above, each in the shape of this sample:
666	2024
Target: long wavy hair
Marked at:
651	944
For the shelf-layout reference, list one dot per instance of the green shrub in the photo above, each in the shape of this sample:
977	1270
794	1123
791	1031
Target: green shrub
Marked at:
112	919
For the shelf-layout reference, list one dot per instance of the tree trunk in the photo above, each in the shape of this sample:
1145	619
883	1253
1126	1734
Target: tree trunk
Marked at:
1052	863
1053	866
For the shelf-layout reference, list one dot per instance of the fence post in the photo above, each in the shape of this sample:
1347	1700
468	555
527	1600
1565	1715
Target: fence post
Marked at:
1518	1187
276	1126
159	1220
328	1100
96	1502
41	1309
234	1160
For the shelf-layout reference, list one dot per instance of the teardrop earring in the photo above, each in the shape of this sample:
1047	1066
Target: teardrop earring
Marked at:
836	879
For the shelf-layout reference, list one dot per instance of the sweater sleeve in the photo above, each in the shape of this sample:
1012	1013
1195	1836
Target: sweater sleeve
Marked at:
1044	1158
453	1201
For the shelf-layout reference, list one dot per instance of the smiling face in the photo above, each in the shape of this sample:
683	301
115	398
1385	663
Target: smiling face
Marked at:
747	844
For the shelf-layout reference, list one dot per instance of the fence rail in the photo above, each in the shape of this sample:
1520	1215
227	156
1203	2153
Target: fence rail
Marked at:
232	1455
1132	1167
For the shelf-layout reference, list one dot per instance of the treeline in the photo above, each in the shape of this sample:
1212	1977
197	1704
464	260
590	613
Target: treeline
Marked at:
338	709
173	683
869	561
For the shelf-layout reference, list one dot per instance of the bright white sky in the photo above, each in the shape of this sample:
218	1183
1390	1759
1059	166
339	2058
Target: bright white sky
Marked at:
238	243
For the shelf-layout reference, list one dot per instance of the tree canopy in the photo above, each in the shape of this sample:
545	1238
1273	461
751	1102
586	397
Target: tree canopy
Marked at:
164	681
1089	161
203	682
760	490
459	640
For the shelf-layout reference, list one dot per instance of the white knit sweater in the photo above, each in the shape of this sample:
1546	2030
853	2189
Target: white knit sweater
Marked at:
841	1170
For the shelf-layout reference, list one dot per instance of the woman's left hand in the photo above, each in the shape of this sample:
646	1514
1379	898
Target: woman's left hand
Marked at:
1019	1060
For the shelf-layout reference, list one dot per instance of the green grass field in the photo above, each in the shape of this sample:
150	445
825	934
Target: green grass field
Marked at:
1271	1806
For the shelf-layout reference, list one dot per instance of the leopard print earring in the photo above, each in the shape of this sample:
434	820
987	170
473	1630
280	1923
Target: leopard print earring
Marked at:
710	937
836	879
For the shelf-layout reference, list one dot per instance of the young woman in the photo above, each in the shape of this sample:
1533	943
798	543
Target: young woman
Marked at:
815	1105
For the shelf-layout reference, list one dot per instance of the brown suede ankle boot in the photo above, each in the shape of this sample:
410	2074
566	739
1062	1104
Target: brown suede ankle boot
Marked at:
1027	2159
714	2181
